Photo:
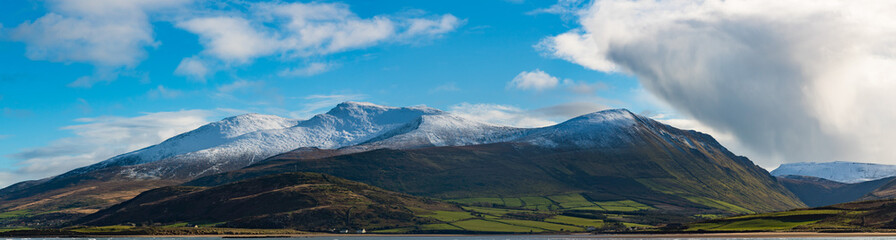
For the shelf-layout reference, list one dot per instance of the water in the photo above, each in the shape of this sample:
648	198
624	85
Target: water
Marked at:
496	237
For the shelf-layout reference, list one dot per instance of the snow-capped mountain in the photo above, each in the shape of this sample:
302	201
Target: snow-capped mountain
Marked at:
612	128
238	141
443	130
352	127
847	172
602	128
205	137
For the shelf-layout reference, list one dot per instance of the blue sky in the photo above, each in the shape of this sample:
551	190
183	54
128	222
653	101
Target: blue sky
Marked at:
58	90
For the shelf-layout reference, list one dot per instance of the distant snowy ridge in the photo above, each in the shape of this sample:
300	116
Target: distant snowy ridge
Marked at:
847	172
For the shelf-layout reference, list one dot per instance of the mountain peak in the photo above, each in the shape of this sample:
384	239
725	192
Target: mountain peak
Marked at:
250	117
364	109
250	122
619	115
353	104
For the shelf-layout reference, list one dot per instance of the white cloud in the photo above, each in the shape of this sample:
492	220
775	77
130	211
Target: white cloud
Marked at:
539	81
106	33
791	81
230	38
114	35
447	87
4	136
584	88
535	80
310	70
192	67
565	8
110	33
239	85
579	48
499	114
431	27
565	111
100	138
298	30
513	116
163	92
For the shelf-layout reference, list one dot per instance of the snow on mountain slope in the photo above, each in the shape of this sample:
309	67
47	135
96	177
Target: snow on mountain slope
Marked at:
443	130
239	141
595	129
847	172
252	137
206	136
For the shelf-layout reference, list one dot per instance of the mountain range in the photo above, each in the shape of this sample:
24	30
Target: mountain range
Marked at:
845	172
611	161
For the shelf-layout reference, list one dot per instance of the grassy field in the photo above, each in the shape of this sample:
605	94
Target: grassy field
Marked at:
537	214
15	214
576	221
543	225
570	212
565	201
448	216
2	230
480	225
751	225
775	221
623	206
719	205
107	229
805	212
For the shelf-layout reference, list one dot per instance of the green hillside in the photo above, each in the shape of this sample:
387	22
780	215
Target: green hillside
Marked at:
304	201
528	177
321	203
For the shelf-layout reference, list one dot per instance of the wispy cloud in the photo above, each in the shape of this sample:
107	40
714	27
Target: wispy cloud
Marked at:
109	34
298	30
535	80
100	138
100	32
539	80
565	8
164	92
114	35
311	69
447	87
193	67
513	116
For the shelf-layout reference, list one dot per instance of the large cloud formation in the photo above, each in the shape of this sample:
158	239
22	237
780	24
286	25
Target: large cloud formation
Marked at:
793	81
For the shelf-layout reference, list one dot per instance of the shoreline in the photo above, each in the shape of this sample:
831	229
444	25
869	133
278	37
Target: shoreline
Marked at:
581	235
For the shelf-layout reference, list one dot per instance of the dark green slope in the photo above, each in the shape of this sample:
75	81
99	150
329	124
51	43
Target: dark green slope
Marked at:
686	181
817	192
304	201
